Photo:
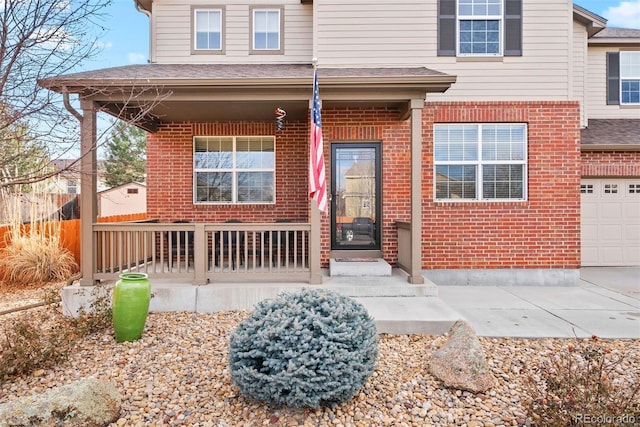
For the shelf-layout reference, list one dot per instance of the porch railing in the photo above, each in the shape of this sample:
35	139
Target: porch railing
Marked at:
202	253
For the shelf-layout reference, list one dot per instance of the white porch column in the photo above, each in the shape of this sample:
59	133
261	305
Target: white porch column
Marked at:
415	273
88	191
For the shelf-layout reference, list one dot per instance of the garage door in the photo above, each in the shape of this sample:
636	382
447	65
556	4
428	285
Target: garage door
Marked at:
610	222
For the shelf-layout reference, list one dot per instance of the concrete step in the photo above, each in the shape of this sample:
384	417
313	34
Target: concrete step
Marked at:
397	306
415	315
357	267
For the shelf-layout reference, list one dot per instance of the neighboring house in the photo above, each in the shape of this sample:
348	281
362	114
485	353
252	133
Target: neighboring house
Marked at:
68	176
124	199
471	112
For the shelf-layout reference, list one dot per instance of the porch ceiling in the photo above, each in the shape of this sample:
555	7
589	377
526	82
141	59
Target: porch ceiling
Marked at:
227	92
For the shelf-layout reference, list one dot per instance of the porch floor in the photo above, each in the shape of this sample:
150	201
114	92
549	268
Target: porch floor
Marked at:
397	306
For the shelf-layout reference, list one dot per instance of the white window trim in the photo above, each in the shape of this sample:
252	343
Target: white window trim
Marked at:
252	36
479	163
194	49
499	18
622	76
234	170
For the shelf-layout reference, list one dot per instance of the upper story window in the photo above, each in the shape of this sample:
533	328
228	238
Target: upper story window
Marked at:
267	29
234	169
630	77
623	78
479	27
480	161
207	30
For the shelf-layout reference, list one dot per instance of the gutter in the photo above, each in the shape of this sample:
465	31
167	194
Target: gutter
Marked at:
285	83
141	9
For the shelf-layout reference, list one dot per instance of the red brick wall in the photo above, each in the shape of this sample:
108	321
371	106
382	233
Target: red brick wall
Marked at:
376	125
541	232
170	174
610	164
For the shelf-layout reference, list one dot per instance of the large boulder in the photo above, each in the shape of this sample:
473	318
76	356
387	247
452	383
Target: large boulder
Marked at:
85	403
460	363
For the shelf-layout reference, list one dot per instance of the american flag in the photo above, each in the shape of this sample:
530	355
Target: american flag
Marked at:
317	177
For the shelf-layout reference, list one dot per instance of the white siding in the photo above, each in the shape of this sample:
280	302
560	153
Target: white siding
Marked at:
358	33
597	88
579	67
171	32
374	32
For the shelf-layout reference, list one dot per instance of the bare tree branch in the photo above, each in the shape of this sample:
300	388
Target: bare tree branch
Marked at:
40	40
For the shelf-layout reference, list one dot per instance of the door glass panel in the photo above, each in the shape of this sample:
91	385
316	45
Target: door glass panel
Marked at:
354	196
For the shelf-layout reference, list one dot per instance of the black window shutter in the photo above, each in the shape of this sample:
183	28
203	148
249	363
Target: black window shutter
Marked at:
613	78
447	28
513	28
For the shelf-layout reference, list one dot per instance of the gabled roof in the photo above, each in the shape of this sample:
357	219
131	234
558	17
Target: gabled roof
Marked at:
593	22
611	134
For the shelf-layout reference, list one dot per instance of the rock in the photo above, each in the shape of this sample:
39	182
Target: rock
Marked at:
85	403
460	363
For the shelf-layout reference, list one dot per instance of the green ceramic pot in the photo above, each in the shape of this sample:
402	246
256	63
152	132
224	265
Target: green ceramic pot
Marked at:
131	297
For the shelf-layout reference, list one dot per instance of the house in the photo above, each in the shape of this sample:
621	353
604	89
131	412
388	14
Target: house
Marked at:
471	114
67	177
123	199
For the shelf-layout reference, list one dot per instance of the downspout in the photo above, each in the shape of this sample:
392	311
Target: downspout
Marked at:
68	106
141	9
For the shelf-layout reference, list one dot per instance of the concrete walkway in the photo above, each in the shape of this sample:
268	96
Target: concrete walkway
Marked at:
606	304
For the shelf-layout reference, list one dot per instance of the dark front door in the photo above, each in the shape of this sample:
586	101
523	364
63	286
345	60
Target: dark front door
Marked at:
355	196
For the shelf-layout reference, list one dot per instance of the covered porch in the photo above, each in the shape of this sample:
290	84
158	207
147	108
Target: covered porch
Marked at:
206	249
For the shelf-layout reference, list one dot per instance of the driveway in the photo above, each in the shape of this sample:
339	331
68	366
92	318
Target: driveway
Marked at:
624	280
606	303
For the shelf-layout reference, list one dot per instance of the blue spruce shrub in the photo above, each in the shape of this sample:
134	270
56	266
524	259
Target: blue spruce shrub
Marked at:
306	349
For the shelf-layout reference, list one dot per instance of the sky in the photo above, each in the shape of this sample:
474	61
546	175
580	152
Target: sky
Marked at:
126	37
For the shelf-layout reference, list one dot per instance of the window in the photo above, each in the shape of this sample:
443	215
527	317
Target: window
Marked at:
611	189
479	27
479	23
480	161
267	31
586	188
72	186
623	78
132	191
630	77
231	169
207	31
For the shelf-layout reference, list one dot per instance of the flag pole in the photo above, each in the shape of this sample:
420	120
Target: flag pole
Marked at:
315	273
317	171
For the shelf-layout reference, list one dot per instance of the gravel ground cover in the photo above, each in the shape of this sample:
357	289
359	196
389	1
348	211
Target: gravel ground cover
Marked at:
177	374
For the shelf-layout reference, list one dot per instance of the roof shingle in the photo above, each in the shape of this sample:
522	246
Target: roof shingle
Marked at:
611	132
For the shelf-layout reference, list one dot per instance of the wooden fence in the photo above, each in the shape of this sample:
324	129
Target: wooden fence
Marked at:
70	231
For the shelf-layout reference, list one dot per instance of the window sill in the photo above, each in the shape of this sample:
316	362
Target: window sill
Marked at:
479	201
479	58
266	52
207	52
